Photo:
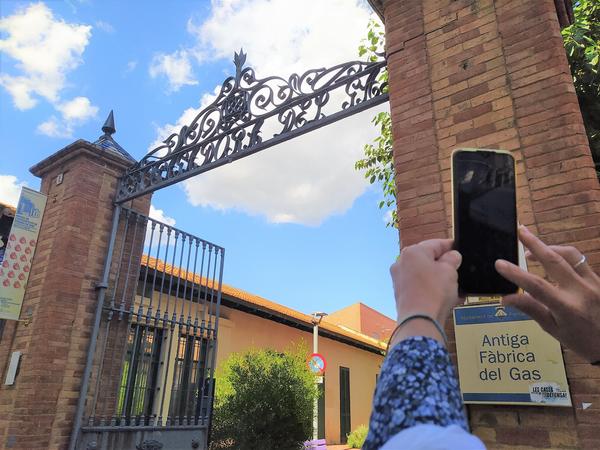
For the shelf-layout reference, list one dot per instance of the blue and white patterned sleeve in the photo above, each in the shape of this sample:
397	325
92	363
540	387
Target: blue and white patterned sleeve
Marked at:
417	385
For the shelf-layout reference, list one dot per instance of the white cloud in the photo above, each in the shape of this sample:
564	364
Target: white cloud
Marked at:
280	38
159	214
10	189
302	181
56	128
78	109
20	89
105	26
131	65
309	178
45	50
176	67
73	112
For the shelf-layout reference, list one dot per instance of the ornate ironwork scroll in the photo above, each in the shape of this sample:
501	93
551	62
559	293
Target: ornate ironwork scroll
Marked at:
250	114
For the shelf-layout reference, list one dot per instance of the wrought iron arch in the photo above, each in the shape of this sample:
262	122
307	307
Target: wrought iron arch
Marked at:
250	114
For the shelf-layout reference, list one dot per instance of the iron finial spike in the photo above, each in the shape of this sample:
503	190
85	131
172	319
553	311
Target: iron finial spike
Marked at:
109	125
239	59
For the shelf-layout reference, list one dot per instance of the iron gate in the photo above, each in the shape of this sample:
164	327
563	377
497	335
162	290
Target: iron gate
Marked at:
149	383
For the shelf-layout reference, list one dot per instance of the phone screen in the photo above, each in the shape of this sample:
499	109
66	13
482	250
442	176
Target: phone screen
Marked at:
485	219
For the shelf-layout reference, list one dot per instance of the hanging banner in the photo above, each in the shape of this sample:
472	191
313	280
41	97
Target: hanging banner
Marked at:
504	357
22	240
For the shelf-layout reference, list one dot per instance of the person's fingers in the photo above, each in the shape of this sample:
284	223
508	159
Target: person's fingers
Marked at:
534	309
572	256
436	247
534	285
554	264
453	258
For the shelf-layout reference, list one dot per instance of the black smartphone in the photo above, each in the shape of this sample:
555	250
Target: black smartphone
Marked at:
485	219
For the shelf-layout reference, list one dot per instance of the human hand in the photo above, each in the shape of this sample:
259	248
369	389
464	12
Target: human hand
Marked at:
425	279
568	310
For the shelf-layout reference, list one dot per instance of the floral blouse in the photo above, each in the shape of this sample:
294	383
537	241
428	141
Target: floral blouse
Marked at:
417	385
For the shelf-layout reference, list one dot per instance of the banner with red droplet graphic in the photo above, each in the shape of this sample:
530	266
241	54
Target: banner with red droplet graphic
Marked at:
18	256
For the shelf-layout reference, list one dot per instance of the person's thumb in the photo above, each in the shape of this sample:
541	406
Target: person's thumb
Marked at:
452	257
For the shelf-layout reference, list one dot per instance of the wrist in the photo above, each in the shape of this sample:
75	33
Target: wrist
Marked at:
434	312
418	324
417	327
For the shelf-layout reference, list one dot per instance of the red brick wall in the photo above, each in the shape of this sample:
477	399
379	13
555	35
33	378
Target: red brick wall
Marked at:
483	73
37	412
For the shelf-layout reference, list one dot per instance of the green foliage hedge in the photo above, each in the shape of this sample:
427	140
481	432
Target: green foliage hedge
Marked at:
582	42
264	399
356	439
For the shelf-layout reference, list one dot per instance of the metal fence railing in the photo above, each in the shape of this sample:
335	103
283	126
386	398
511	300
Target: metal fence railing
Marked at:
152	378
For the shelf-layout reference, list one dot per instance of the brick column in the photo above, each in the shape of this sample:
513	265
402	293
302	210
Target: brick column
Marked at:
37	412
484	73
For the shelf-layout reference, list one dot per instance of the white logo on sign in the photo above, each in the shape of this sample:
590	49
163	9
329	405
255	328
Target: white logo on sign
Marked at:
548	393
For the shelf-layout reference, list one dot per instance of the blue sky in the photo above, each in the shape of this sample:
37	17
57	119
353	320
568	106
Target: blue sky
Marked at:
300	226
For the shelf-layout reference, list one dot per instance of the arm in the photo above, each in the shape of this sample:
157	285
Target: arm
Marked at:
418	383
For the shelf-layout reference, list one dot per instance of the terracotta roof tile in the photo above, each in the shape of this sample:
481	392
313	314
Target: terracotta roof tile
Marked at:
262	303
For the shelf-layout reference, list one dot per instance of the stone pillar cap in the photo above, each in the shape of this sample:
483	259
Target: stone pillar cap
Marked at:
80	146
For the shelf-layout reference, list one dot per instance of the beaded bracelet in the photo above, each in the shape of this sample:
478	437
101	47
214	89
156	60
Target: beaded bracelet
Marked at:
418	316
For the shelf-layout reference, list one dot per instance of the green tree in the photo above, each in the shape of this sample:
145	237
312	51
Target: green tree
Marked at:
264	399
378	162
582	43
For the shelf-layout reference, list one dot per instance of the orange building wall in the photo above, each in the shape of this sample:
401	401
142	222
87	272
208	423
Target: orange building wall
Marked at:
375	324
348	316
240	331
364	319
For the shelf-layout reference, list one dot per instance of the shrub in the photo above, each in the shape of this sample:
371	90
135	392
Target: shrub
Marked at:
356	439
264	399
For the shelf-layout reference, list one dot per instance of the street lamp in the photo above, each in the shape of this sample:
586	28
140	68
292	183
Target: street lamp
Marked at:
316	321
317	317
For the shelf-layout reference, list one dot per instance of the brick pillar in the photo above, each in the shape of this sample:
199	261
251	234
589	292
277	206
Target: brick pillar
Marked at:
37	412
484	73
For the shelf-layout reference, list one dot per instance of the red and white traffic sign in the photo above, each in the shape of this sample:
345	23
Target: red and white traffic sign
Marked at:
316	363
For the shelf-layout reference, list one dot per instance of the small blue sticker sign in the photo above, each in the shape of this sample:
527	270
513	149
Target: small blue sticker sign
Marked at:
316	363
